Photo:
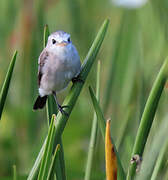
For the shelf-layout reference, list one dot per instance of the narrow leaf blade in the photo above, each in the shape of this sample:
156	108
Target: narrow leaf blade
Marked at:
101	123
44	169
94	130
35	168
5	87
148	116
53	163
14	173
45	35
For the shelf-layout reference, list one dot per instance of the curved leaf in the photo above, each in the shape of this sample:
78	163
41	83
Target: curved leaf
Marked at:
5	87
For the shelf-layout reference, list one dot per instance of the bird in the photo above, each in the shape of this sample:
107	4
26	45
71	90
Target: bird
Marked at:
58	64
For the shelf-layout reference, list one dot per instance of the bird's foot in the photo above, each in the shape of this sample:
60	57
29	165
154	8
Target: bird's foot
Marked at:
77	79
61	109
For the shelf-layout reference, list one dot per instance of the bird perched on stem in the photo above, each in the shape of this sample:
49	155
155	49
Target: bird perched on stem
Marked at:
58	64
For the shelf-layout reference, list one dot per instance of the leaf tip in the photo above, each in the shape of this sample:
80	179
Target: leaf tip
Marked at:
107	20
15	54
58	147
54	116
111	159
46	26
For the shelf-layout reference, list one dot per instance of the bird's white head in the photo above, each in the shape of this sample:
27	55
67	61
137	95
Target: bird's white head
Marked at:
58	39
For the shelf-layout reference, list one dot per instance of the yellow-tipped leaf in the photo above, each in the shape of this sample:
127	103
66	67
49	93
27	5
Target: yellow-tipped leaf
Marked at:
111	160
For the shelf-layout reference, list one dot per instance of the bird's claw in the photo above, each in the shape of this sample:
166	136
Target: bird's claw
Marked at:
77	79
62	111
64	106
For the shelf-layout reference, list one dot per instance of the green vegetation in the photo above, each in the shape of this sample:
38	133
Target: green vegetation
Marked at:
130	81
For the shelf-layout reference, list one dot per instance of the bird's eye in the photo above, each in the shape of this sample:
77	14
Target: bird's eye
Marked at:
69	40
53	41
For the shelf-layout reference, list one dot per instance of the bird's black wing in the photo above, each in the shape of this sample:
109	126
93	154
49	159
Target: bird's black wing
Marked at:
41	62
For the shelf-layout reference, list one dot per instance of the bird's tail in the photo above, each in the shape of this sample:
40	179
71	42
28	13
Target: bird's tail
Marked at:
40	102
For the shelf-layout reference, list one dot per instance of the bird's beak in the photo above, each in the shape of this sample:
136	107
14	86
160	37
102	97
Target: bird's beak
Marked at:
63	43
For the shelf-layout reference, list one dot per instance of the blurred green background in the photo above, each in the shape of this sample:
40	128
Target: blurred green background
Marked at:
131	56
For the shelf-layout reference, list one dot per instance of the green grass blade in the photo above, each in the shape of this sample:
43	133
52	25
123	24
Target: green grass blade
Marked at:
57	168
53	163
148	115
90	58
94	130
72	97
14	173
51	108
45	35
159	161
150	157
47	156
33	173
101	123
5	87
100	116
61	161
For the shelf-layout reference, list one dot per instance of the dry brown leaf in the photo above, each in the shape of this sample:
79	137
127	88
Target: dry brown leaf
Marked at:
111	160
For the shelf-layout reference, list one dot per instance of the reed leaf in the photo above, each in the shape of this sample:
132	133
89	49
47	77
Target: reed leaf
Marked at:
53	163
47	156
94	130
33	173
14	173
150	158
46	33
159	161
5	87
148	116
101	123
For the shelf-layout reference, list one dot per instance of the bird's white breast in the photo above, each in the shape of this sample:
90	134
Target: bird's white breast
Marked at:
62	65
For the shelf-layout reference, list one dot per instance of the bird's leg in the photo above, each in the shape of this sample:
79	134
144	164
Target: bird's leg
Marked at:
77	79
60	108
